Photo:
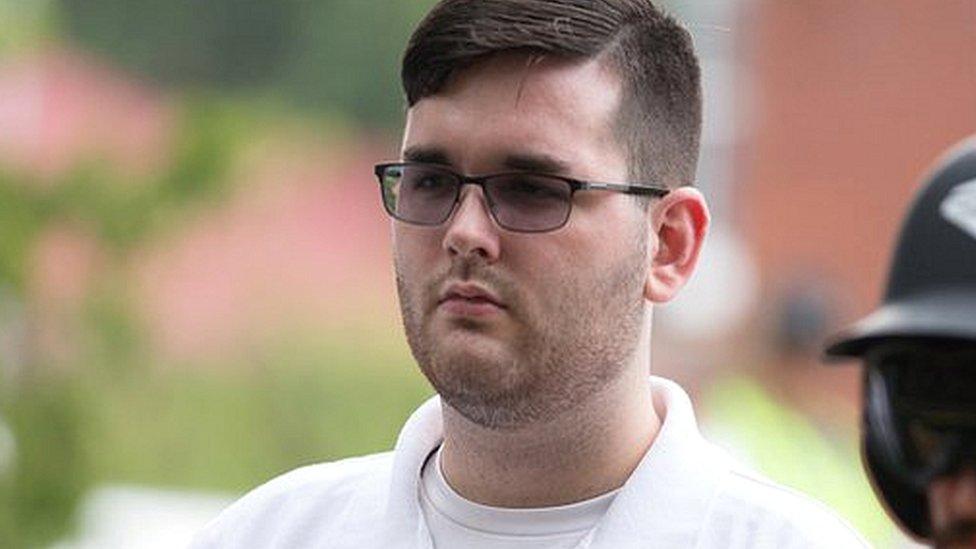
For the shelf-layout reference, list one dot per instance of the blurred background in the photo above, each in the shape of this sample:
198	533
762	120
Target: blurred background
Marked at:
196	292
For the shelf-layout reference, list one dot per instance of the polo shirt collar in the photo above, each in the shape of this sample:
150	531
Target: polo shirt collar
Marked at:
665	500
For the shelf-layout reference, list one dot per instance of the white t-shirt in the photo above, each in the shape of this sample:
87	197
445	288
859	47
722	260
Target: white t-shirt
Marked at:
454	521
685	493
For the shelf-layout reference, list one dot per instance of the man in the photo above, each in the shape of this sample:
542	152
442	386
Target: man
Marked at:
919	351
526	268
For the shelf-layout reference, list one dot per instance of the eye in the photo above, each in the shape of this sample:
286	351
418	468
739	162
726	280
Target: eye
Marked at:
431	183
427	181
531	189
535	189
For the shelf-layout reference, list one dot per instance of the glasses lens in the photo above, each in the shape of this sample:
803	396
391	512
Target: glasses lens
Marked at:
529	203
419	194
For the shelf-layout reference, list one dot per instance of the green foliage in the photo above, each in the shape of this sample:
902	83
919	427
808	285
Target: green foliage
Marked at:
347	57
114	413
339	56
221	427
211	428
50	408
38	493
122	213
24	23
188	42
21	220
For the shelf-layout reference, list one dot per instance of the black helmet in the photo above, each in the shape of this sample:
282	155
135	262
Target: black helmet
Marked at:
931	295
931	288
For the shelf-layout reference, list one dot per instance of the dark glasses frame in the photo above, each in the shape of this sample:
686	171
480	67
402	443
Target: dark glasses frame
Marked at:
380	170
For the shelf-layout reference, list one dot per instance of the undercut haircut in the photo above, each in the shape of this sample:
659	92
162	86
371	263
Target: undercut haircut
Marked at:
659	119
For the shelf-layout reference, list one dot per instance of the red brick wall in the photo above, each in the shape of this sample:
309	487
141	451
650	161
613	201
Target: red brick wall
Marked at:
853	100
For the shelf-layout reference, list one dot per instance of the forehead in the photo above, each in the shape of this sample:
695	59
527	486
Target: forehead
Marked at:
515	104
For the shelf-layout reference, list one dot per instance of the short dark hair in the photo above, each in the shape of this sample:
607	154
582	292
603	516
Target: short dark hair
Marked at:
659	119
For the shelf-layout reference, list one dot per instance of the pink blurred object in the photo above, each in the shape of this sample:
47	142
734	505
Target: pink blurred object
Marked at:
304	245
61	107
301	244
64	261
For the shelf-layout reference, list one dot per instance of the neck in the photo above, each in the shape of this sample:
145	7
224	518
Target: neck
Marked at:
584	453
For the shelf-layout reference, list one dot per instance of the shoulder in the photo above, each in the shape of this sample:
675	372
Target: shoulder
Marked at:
751	507
330	481
307	499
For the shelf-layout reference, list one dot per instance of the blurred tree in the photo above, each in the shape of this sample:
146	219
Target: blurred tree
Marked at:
338	56
348	57
222	42
38	493
23	24
50	408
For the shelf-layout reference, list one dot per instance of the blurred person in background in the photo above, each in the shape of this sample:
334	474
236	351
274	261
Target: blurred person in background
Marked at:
542	204
919	353
806	439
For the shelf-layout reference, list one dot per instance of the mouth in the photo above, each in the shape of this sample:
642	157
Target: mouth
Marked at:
469	299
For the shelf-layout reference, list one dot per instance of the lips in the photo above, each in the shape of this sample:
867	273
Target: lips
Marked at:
469	292
469	299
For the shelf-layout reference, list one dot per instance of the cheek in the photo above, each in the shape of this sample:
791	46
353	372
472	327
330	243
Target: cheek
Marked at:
421	265
547	280
415	249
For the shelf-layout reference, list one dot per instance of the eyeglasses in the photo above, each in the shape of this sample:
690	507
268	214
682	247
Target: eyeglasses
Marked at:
525	202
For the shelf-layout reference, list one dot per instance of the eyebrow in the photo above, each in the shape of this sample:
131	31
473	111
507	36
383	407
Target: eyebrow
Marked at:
522	162
426	155
541	163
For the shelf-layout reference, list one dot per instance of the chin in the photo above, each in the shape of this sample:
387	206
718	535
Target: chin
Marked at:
488	388
477	369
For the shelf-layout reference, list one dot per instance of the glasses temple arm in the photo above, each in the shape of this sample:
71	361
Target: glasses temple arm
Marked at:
629	189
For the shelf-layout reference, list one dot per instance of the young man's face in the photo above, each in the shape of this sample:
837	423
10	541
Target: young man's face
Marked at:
513	328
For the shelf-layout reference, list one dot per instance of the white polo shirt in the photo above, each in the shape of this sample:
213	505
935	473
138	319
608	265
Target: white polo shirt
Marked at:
685	493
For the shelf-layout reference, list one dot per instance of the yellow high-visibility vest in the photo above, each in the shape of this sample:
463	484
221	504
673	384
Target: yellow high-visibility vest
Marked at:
782	443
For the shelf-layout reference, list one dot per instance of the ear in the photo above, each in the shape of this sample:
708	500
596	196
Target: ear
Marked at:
680	222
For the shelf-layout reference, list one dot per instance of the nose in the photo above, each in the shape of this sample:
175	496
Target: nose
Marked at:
953	499
471	230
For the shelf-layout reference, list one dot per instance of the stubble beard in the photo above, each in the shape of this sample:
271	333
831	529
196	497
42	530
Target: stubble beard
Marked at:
560	359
